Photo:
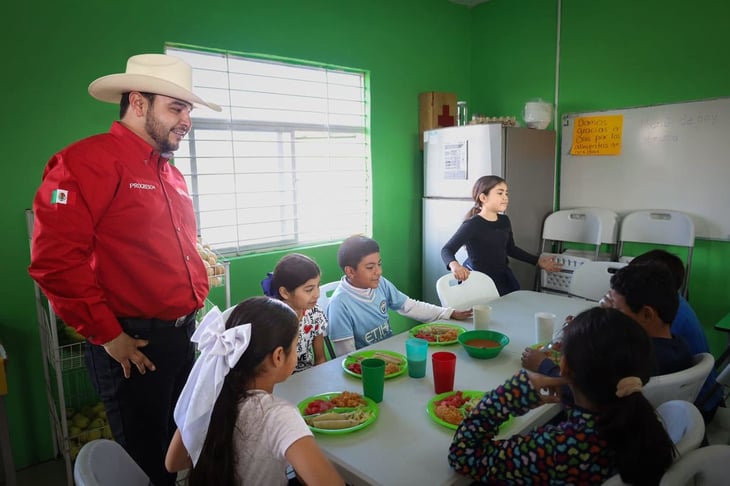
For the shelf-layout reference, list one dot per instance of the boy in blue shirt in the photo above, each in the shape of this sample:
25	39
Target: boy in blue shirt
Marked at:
358	310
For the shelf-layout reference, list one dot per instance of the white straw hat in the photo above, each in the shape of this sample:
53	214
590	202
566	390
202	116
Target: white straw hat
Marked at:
150	73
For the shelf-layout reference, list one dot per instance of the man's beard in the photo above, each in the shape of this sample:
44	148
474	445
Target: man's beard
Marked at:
159	134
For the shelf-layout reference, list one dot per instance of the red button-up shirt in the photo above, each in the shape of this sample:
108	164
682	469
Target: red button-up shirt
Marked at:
115	236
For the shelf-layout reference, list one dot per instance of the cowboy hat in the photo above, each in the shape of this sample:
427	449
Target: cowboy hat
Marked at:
150	73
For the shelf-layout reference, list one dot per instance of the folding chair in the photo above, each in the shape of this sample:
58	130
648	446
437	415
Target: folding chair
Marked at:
577	226
660	227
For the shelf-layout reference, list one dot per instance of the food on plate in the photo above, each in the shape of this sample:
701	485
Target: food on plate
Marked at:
393	364
348	399
482	343
318	406
449	414
436	333
454	408
338	420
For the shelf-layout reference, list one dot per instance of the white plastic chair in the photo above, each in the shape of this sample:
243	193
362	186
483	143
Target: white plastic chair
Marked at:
568	225
325	293
706	466
592	280
573	225
609	230
661	227
684	425
103	462
479	288
682	385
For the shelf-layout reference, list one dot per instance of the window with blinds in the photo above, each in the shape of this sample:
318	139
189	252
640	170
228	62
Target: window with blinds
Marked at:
287	161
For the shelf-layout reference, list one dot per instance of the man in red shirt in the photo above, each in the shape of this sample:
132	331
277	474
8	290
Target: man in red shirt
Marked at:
114	250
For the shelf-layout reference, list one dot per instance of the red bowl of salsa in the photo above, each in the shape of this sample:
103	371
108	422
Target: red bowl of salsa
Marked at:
483	344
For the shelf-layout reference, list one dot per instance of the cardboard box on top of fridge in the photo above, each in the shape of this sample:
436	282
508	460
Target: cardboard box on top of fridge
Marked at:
436	110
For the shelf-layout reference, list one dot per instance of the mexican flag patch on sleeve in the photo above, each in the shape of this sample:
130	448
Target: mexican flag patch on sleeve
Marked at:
62	196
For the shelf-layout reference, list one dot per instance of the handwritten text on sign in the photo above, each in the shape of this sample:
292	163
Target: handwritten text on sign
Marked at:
597	135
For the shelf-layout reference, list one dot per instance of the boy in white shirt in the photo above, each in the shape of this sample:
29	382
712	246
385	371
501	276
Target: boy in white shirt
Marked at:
358	309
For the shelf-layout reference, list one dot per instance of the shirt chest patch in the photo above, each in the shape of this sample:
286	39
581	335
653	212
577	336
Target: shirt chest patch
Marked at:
383	306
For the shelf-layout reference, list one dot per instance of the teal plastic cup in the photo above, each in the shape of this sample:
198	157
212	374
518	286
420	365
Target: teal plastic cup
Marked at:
373	378
417	355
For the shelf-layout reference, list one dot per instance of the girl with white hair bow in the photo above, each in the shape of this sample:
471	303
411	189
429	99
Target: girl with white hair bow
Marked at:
231	428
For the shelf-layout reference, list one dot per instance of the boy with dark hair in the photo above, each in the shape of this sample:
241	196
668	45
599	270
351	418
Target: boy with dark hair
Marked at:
646	292
687	325
358	309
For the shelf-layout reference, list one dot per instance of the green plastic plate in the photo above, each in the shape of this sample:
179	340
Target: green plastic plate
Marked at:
370	406
431	408
427	327
360	355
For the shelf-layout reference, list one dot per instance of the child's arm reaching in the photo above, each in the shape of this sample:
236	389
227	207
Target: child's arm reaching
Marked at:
425	312
310	463
177	457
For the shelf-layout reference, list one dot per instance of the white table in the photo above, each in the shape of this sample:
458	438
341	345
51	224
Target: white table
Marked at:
404	446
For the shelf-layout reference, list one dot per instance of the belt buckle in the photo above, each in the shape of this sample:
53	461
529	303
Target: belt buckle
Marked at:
180	321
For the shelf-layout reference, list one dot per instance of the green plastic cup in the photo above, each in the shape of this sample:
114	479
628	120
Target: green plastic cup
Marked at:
373	378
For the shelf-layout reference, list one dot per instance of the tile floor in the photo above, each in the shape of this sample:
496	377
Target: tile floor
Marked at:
52	473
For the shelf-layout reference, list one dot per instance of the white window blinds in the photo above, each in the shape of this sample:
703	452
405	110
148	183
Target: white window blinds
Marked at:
287	161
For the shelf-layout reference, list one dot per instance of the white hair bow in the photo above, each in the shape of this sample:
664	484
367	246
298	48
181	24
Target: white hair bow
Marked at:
220	350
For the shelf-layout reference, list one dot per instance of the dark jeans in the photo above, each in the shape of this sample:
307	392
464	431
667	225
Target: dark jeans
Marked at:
140	408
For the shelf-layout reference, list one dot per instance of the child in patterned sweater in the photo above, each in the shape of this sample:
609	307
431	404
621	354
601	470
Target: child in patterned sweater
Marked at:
611	429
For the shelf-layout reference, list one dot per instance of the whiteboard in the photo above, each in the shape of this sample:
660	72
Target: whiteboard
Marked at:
674	156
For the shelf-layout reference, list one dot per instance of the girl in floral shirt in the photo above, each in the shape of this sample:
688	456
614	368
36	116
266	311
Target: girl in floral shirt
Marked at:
295	280
611	428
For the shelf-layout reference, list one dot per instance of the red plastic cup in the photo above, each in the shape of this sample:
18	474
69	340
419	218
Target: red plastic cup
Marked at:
444	369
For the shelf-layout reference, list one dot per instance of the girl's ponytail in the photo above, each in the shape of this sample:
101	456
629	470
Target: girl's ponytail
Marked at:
608	357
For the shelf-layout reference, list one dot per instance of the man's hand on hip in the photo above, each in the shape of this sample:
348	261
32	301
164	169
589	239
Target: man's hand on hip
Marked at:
125	350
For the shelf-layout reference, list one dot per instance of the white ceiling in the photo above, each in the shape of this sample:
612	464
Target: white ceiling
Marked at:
469	3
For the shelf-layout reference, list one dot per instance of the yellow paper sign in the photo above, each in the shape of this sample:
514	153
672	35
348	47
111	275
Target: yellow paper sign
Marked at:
597	135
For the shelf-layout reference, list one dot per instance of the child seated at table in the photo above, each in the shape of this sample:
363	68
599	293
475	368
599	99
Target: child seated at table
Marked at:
295	281
686	325
231	428
612	428
358	309
646	293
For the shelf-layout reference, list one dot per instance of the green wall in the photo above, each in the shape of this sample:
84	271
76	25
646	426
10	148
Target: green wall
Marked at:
51	51
497	56
612	55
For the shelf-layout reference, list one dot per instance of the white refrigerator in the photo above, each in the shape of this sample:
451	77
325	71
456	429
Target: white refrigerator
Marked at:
454	158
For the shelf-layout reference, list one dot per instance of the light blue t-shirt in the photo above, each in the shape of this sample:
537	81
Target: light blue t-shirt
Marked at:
363	315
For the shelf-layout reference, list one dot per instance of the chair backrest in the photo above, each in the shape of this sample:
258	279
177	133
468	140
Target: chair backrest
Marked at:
706	466
479	288
325	293
682	385
684	424
661	227
609	223
573	225
103	462
658	226
592	280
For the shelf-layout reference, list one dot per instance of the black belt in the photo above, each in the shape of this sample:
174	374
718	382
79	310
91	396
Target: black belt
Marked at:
154	323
